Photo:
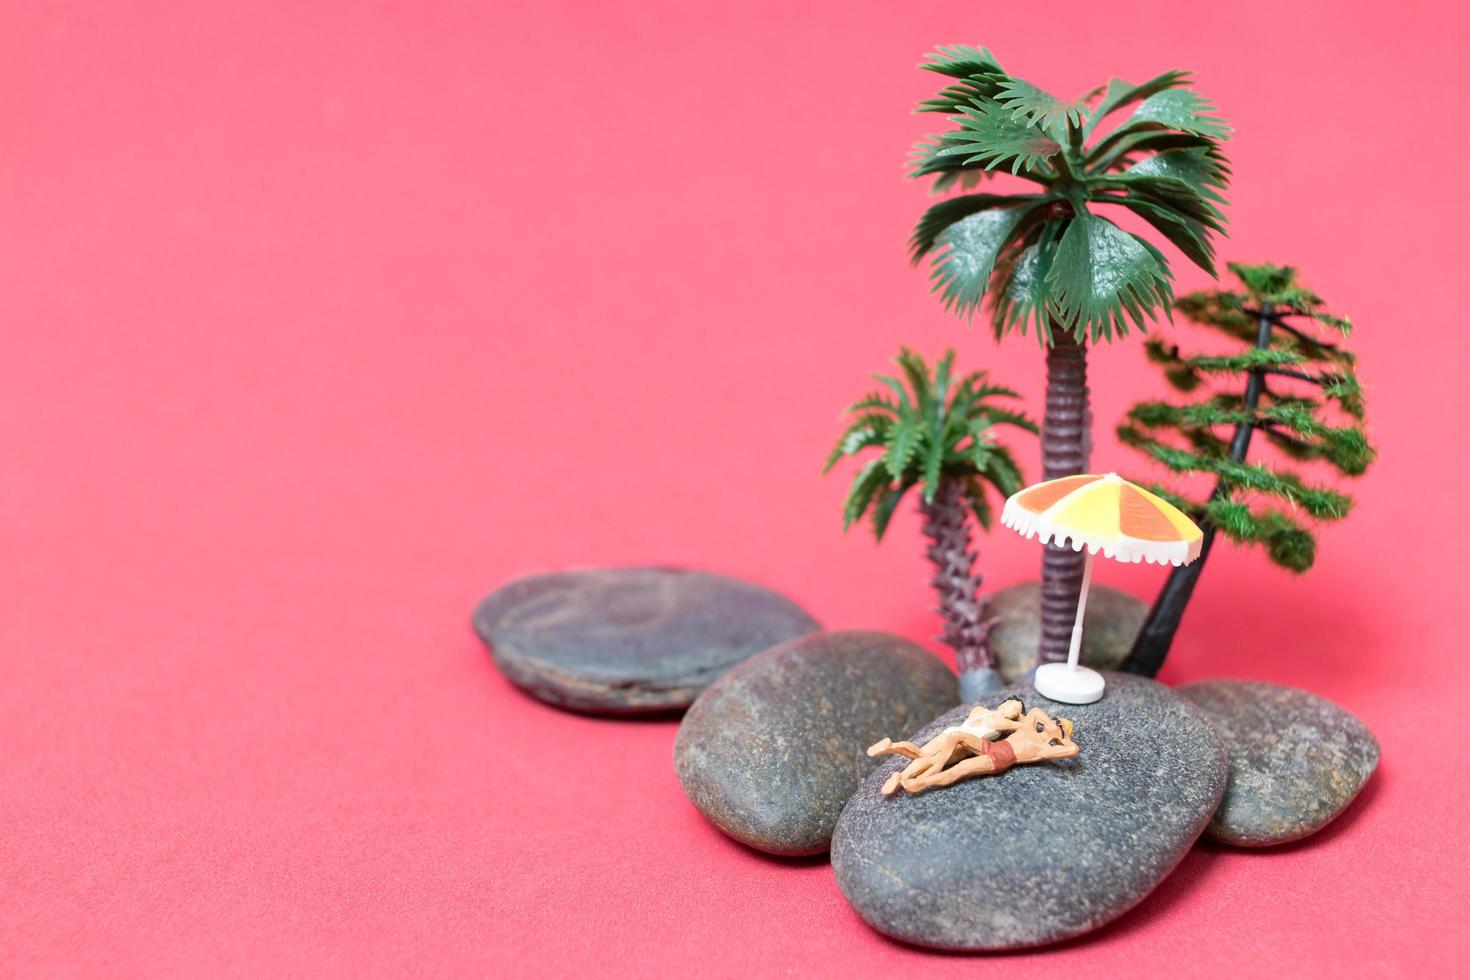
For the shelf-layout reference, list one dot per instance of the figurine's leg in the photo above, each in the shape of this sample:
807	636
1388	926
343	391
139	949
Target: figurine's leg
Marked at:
976	765
904	773
933	757
890	747
974	743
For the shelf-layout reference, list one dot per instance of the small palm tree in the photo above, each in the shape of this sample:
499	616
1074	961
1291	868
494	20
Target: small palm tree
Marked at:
935	432
1052	257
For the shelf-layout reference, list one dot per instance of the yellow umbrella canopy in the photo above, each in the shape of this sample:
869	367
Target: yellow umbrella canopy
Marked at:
1099	512
1104	513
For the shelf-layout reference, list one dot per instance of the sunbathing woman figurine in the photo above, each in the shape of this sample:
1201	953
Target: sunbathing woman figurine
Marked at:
971	749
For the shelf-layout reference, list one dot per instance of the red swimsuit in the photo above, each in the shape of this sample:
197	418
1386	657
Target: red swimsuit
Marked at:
1002	756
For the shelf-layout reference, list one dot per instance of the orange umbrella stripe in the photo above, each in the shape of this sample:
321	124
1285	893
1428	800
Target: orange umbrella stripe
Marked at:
1043	495
1139	518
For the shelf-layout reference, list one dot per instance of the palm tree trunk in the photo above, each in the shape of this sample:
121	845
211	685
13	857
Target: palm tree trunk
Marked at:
946	525
1157	634
1066	443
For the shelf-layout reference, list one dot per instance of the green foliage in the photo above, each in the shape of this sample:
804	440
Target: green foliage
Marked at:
990	136
1104	276
1041	109
1277	285
970	246
1298	391
976	69
1119	93
927	425
1052	257
1178	109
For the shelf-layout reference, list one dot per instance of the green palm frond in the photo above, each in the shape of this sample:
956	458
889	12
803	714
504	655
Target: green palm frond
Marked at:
1201	167
1106	277
965	254
1024	295
1040	108
928	425
992	136
1119	93
903	442
977	72
1053	257
1190	236
1182	110
961	61
950	212
875	400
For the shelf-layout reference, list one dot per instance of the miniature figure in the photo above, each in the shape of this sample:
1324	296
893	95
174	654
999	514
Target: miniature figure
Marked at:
1053	258
937	433
972	748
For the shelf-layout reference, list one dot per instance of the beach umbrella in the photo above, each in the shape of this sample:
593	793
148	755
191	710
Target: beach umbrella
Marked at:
1106	513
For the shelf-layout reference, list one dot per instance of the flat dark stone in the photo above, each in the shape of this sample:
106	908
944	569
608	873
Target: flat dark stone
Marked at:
630	640
1109	627
773	749
1296	760
1044	851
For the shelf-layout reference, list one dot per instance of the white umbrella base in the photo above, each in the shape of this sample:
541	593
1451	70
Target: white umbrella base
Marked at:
1069	684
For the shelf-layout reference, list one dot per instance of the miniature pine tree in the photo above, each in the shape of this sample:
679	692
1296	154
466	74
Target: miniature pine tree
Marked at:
1291	385
1052	257
934	431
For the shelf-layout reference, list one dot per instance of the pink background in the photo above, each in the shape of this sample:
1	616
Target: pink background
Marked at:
322	321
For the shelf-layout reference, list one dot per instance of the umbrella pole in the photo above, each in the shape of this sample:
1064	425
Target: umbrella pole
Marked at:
1075	653
1070	682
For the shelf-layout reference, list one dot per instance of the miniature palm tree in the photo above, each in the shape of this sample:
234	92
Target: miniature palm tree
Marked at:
1295	388
1053	258
935	432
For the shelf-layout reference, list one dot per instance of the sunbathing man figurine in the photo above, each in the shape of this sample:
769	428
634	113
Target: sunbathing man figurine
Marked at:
972	748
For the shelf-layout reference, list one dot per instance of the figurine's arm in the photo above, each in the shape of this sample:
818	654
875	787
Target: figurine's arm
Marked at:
1028	745
1002	719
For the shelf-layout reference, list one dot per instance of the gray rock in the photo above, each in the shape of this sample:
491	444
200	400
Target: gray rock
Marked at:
772	750
977	683
1110	625
1296	760
629	640
1044	851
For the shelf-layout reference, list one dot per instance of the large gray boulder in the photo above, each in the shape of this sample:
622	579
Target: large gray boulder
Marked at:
1296	760
773	749
630	640
1041	852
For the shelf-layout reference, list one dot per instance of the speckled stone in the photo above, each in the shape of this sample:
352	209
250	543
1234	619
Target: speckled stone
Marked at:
629	640
977	683
1296	760
772	750
1044	851
1110	625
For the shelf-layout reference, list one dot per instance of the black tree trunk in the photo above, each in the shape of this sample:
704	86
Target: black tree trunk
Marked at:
1157	634
946	525
1066	443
